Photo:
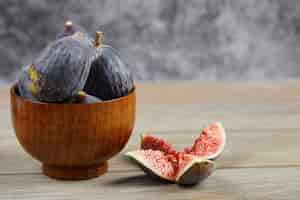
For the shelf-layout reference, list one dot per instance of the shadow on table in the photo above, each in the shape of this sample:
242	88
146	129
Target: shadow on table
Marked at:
145	180
135	180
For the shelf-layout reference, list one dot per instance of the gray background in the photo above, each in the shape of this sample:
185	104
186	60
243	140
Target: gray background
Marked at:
165	39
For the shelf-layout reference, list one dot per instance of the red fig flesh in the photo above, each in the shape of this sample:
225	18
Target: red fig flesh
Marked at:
210	143
156	143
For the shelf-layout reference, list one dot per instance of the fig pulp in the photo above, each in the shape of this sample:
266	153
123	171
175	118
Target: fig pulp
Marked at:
156	143
209	144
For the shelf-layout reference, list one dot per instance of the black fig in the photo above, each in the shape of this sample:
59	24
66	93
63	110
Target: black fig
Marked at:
60	71
109	76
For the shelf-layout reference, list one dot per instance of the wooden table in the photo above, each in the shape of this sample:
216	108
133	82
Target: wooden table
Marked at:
261	159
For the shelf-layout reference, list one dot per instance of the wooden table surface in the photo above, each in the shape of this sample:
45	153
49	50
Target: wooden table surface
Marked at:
261	159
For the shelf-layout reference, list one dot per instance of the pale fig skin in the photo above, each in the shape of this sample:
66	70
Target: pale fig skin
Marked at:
23	83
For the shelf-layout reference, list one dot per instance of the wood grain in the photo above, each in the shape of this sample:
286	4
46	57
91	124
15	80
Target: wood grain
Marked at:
226	184
73	141
219	92
244	149
261	159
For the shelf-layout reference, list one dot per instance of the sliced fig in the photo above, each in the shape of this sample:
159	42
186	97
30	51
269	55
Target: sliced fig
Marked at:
109	76
60	71
210	143
154	163
185	169
156	143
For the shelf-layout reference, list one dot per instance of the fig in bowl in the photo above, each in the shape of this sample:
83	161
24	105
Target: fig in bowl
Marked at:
73	132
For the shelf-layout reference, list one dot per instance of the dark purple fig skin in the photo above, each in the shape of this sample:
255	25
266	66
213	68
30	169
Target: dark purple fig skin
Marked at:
109	76
63	68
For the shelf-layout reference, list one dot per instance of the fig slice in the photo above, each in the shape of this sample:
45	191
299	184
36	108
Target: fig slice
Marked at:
193	169
158	157
210	143
154	163
184	169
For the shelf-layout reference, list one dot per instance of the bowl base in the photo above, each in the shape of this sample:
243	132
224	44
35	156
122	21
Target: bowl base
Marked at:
74	173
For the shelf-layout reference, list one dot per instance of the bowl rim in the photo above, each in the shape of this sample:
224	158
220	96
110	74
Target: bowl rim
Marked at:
18	96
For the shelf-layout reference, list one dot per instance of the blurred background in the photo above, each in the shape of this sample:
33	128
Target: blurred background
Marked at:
169	39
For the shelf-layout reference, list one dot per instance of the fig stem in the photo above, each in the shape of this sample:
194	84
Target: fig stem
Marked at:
98	39
68	24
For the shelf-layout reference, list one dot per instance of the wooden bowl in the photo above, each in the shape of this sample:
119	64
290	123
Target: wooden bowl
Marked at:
73	141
